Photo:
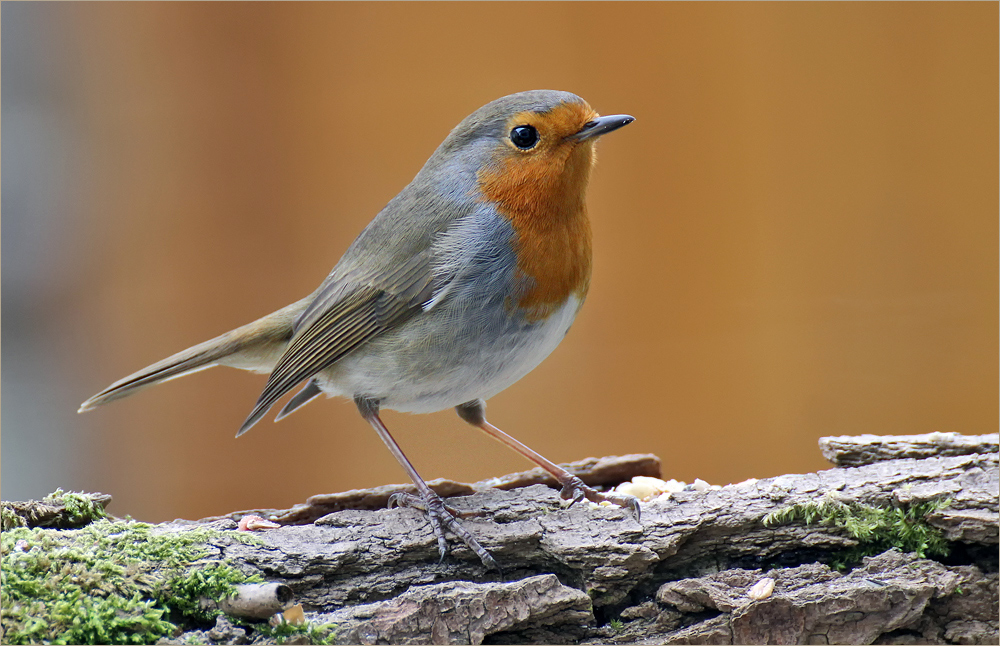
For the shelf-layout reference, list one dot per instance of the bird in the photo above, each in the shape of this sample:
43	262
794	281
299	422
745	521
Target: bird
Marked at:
467	279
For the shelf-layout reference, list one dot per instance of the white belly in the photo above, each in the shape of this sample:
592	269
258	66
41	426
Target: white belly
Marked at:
443	358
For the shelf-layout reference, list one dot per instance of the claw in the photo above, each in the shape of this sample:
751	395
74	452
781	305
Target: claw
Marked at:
443	516
400	499
575	490
625	500
572	492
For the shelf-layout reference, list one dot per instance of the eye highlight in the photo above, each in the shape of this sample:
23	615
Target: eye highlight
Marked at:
524	137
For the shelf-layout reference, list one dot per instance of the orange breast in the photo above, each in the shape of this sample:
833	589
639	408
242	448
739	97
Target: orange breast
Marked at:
543	196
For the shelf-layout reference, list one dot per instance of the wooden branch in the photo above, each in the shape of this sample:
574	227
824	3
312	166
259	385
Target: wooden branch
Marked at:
376	572
701	567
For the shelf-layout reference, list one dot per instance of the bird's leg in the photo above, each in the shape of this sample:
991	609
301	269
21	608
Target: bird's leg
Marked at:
439	514
573	489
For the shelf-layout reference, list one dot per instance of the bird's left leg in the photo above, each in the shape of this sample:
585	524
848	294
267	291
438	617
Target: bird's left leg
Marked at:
573	489
441	516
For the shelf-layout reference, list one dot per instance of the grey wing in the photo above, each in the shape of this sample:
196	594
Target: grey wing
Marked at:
343	315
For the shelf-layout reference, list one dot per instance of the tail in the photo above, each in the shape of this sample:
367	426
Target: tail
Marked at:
255	346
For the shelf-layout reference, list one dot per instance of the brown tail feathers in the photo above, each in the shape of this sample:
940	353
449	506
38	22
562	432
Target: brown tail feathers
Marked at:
255	347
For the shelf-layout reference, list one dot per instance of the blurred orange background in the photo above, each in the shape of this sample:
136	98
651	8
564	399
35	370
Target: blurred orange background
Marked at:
798	237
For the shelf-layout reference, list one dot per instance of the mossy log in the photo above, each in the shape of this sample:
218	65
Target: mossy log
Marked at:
894	551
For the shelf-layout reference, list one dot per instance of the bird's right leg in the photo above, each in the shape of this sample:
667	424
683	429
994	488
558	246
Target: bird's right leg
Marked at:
573	488
439	514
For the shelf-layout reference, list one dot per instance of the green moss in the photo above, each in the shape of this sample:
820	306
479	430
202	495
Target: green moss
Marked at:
111	582
616	625
9	519
876	529
57	510
80	509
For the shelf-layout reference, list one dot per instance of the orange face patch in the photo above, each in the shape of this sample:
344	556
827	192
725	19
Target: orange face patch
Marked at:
541	191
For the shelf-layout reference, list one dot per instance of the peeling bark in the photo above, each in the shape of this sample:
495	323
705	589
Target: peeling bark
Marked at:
856	450
595	472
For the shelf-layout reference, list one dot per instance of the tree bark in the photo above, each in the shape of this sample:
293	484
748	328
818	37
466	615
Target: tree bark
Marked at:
702	566
681	575
856	450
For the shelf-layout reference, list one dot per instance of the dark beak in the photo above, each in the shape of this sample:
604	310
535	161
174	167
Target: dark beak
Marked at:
602	125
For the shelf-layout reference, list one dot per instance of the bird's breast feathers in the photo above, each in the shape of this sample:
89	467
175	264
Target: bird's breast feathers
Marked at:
531	272
543	200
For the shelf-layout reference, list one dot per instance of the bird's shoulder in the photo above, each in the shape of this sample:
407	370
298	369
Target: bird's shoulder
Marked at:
396	254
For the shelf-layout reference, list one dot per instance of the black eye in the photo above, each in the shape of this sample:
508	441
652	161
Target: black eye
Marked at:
524	137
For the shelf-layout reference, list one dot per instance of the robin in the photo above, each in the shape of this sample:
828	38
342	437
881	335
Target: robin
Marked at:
459	287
